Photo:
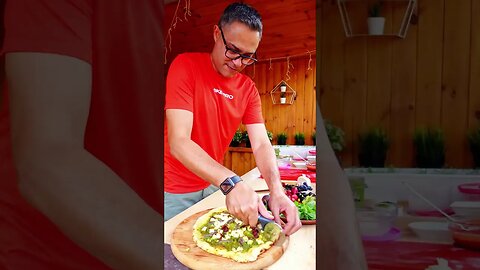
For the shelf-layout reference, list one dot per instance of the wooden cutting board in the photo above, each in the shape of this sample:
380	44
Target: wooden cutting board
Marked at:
187	252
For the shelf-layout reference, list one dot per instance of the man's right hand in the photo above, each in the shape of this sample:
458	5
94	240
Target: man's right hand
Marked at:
245	204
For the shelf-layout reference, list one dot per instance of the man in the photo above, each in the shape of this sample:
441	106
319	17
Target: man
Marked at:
72	196
207	98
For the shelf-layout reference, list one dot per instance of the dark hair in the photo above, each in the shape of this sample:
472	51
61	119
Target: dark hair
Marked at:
241	12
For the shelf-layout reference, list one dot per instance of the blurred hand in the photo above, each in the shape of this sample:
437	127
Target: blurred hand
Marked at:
244	203
280	203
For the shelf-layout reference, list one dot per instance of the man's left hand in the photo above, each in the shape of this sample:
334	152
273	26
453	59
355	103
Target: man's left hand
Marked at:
280	203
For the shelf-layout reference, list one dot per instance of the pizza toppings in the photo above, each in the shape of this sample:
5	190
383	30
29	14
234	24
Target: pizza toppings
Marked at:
224	230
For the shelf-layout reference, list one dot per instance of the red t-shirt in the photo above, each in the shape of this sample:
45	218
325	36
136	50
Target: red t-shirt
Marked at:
219	104
123	43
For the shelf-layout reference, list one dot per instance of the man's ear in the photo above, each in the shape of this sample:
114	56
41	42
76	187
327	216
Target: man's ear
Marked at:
216	33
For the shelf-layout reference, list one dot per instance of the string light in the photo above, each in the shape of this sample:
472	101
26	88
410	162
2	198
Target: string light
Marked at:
285	57
309	60
173	24
287	74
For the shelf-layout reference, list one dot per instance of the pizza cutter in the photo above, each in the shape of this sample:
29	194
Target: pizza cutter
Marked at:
270	226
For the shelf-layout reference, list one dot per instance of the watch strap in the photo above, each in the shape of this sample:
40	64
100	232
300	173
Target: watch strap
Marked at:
229	183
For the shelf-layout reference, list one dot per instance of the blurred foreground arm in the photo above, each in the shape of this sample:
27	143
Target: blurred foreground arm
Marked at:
49	105
340	246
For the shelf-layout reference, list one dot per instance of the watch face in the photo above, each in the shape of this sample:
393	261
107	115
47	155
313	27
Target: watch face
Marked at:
226	186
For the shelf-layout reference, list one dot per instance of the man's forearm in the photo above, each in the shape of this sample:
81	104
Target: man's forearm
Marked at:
93	207
267	165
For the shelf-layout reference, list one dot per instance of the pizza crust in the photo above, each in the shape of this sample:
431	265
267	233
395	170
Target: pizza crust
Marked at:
239	256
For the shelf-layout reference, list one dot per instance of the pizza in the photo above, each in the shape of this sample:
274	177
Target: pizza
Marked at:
218	232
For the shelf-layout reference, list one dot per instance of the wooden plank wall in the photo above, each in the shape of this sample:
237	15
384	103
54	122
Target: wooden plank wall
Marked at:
299	116
430	78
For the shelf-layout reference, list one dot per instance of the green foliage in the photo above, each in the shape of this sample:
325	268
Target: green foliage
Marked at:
429	146
474	144
270	135
336	136
299	138
314	138
282	138
237	138
373	147
277	152
307	209
375	9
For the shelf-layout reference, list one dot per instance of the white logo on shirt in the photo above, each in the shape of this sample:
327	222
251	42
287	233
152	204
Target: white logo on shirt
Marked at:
220	92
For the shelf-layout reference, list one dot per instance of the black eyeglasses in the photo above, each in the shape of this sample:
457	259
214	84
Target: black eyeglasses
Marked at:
233	54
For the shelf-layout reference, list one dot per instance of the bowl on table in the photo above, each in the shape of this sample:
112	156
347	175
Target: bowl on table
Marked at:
432	230
311	166
300	164
469	238
376	220
469	209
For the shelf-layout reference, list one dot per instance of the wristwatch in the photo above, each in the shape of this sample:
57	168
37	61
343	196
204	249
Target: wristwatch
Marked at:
229	183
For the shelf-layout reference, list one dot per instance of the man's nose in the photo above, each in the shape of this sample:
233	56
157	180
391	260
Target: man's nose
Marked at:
237	62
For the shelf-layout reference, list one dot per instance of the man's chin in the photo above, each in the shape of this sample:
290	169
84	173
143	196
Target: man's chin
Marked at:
230	72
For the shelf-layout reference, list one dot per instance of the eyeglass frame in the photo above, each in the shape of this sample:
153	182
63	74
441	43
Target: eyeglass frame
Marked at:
240	55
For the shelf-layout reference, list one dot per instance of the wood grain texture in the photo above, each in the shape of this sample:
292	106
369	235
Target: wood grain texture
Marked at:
429	63
456	54
474	93
187	252
402	103
289	26
428	79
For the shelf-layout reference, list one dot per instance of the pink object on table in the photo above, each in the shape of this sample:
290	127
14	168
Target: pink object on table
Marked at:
399	255
292	173
313	152
470	188
393	234
286	166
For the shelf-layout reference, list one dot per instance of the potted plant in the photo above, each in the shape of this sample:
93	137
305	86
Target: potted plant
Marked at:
246	139
375	21
373	147
299	138
237	138
429	144
282	138
283	97
314	138
474	144
336	136
270	136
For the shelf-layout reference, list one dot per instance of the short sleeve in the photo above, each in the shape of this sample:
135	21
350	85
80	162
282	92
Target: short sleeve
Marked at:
180	84
49	26
253	113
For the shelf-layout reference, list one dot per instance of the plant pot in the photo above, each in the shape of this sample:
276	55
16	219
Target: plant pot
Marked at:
283	88
475	150
234	144
283	100
376	25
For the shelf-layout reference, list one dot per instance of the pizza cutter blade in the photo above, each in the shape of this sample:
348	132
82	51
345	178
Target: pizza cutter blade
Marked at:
270	226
